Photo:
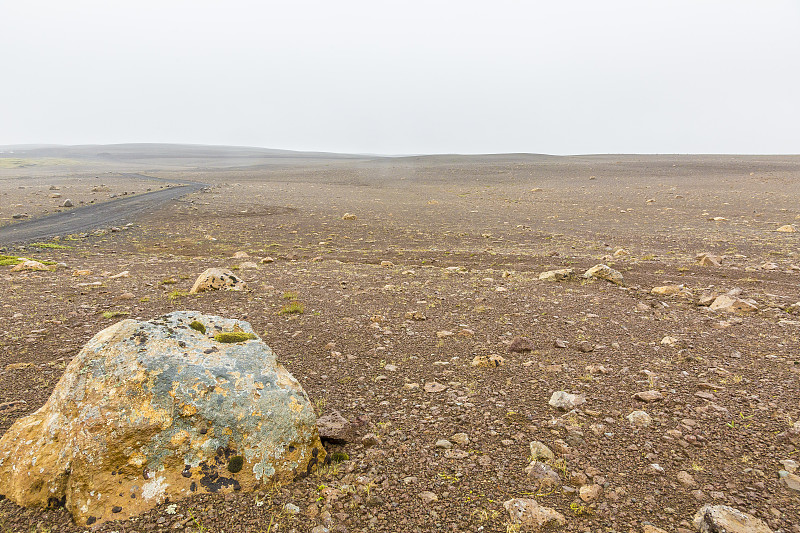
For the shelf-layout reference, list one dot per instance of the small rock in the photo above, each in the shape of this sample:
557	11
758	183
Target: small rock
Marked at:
444	444
652	529
126	296
462	439
563	274
604	272
558	343
241	255
540	451
349	216
565	401
30	265
724	519
792	481
666	290
686	479
248	265
788	228
639	419
731	304
590	493
267	259
520	345
17	216
428	497
531	516
370	439
415	315
291	509
669	341
7	407
709	260
585	347
544	476
334	427
433	386
487	361
217	278
649	396
656	468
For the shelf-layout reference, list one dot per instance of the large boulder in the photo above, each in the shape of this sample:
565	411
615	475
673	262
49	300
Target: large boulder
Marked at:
148	411
217	278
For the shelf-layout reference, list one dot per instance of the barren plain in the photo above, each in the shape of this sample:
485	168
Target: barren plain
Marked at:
439	265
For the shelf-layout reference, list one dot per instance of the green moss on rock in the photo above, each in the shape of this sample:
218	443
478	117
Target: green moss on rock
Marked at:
198	326
235	463
234	336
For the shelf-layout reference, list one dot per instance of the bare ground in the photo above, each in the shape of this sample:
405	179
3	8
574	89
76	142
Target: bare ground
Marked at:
466	238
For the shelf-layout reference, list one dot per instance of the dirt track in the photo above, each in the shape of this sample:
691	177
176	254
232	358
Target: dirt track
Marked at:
91	217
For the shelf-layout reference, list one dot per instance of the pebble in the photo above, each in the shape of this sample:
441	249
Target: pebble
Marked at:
639	419
428	497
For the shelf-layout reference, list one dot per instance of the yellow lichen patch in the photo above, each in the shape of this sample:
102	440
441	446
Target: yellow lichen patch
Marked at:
137	459
179	438
188	409
295	406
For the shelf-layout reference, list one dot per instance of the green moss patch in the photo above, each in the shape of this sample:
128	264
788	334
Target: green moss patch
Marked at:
198	326
235	463
293	308
234	336
9	260
50	245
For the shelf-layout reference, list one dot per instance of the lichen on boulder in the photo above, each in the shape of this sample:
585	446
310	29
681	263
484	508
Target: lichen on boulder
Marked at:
158	410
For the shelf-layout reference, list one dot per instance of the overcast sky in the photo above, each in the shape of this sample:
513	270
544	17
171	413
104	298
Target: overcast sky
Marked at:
560	77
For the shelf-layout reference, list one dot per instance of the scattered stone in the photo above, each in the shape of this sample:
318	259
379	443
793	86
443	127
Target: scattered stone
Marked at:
649	396
539	451
291	509
266	260
126	296
604	272
792	481
82	273
788	228
596	369
563	274
724	519
17	216
7	407
415	315
565	401
241	255
349	216
585	347
531	516
558	343
639	419
248	265
488	361
590	493
387	264
143	415
217	278
686	479
433	386
18	366
520	345
732	304
619	252
648	528
669	341
370	439
335	428
709	260
544	476
444	444
656	468
444	334
30	265
462	439
428	497
123	274
666	290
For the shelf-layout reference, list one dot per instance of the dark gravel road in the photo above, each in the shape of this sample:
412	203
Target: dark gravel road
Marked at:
92	217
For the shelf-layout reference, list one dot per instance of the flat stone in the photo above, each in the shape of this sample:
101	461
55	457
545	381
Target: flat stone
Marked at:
649	396
531	516
604	272
724	519
639	419
563	274
565	401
